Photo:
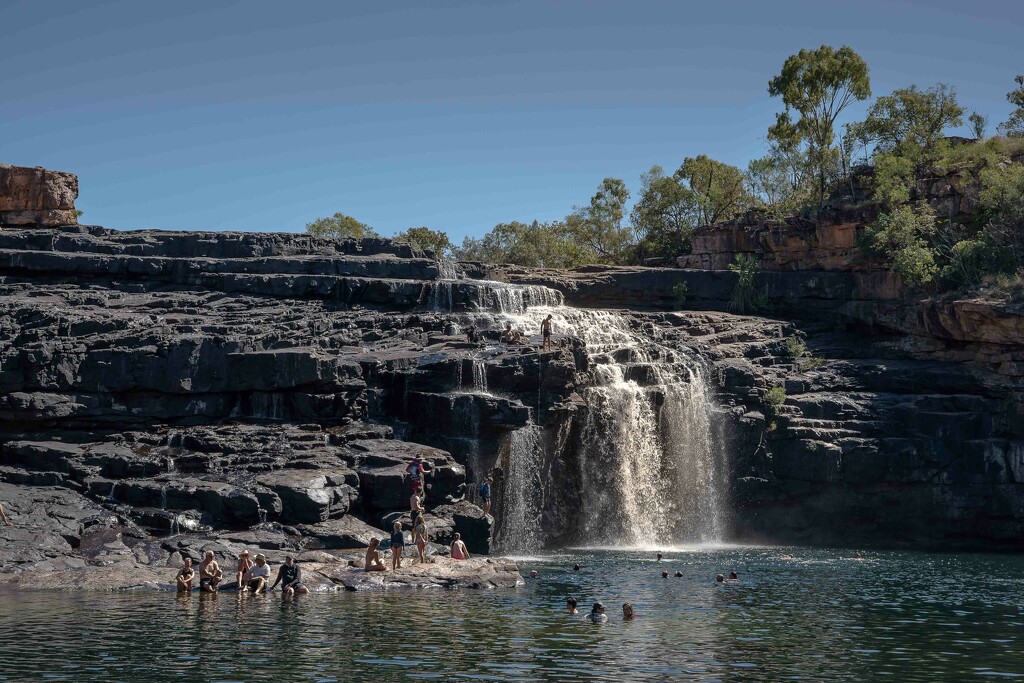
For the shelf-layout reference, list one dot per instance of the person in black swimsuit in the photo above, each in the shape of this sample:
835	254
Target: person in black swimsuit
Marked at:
545	330
290	577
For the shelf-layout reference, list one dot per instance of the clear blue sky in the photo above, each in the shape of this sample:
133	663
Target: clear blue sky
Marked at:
456	115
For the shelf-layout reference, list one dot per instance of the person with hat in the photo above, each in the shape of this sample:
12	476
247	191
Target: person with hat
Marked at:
597	614
290	577
258	575
244	565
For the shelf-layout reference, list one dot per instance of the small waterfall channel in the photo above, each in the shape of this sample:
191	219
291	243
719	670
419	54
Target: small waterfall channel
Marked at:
650	472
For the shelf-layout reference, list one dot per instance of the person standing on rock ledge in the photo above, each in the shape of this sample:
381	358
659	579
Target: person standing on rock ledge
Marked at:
485	496
417	470
397	545
545	330
419	537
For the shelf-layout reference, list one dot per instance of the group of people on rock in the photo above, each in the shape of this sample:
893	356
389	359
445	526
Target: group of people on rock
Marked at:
252	575
511	335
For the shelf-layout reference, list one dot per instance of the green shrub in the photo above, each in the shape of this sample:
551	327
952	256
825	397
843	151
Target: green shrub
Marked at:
774	399
795	348
745	296
903	237
679	293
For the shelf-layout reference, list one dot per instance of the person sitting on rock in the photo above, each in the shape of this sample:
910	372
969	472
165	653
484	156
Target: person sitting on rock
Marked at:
290	577
186	575
3	515
472	335
508	336
416	470
459	549
244	565
210	573
258	575
373	561
597	614
397	545
419	537
485	496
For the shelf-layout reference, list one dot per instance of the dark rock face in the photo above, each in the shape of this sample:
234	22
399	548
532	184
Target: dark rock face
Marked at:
167	393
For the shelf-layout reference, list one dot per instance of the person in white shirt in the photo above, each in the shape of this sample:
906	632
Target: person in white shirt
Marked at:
259	574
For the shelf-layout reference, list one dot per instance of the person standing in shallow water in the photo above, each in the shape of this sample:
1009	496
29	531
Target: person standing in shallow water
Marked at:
545	330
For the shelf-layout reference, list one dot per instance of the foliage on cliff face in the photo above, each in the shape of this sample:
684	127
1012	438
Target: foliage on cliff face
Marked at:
745	297
903	235
1014	126
339	225
425	238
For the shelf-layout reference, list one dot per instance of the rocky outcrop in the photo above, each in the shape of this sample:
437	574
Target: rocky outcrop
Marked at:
37	197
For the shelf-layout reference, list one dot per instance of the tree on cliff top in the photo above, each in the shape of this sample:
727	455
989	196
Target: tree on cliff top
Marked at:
537	245
1014	126
425	238
339	225
598	226
817	85
717	188
662	218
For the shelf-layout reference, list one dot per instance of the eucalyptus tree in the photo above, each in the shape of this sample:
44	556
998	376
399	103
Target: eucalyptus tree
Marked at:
816	86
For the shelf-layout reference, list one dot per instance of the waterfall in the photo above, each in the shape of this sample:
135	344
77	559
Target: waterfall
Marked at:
522	501
649	472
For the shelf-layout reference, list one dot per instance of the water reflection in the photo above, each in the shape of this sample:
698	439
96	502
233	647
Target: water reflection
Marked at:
822	615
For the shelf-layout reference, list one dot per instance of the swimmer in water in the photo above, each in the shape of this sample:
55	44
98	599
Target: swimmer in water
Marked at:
627	612
597	614
664	575
733	576
719	579
570	605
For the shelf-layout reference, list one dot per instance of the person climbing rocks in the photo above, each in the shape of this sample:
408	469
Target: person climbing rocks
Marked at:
7	520
459	549
289	575
485	496
416	470
415	505
373	561
210	573
397	545
186	575
545	330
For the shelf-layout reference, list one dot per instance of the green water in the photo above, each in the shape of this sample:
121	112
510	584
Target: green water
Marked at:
820	616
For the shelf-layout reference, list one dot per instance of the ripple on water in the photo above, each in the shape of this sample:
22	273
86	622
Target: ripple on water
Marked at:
817	616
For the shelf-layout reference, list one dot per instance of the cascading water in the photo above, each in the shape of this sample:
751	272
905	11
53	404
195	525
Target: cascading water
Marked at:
649	474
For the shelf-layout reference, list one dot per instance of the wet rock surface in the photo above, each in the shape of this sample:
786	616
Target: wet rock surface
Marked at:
168	393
